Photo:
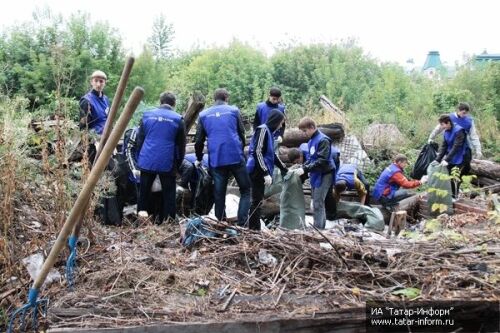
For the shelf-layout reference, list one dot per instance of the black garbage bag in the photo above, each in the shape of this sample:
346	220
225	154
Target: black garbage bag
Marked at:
426	156
204	196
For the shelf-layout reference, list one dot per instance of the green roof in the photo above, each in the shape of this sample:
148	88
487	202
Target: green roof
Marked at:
433	60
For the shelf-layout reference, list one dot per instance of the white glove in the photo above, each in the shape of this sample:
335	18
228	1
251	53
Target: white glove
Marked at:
268	180
136	173
478	155
444	163
197	163
299	171
279	139
424	179
430	141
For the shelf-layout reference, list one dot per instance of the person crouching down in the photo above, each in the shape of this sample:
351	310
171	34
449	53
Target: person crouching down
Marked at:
261	161
320	166
349	177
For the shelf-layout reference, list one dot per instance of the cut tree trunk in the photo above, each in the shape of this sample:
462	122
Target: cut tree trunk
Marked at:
486	169
295	137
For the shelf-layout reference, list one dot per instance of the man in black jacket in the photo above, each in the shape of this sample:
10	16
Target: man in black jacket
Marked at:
261	161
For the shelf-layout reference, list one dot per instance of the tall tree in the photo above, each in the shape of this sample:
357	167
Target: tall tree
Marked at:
162	36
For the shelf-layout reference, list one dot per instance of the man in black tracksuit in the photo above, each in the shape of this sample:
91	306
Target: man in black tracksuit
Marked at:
261	161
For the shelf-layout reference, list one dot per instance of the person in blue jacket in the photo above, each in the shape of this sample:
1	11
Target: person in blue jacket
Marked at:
94	108
462	118
161	144
349	177
94	105
264	108
261	161
299	156
221	125
320	166
453	149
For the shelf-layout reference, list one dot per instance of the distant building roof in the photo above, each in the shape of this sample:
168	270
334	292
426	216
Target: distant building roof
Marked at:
433	60
487	57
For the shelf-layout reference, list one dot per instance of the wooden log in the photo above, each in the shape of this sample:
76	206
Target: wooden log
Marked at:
486	168
295	137
195	105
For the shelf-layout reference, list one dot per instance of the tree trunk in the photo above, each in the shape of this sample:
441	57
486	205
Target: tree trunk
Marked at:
295	137
486	169
195	105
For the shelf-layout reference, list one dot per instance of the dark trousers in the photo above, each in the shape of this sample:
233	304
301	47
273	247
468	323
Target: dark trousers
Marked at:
220	176
464	168
186	171
167	180
330	205
257	179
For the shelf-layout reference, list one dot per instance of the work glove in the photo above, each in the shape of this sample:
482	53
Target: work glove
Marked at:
424	179
136	173
279	139
430	141
268	180
197	163
444	163
299	171
478	155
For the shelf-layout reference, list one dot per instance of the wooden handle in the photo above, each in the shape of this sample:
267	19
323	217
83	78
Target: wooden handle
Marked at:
95	174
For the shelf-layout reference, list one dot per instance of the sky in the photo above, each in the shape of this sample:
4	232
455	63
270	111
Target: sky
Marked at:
388	30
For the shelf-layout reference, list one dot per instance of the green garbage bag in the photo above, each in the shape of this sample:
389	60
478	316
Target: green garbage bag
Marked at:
372	217
276	186
292	203
439	198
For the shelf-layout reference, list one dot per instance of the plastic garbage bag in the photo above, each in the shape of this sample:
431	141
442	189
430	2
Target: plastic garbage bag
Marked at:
292	203
426	156
372	217
276	186
439	198
204	196
34	263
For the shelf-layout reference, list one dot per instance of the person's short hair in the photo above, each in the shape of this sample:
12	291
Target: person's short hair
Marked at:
294	154
221	94
463	107
99	74
306	122
275	92
167	98
340	186
400	158
444	119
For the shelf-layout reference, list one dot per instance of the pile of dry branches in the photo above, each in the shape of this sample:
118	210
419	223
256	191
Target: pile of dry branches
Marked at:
142	276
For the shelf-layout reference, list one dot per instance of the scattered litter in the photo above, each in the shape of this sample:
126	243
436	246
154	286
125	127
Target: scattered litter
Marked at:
267	259
34	264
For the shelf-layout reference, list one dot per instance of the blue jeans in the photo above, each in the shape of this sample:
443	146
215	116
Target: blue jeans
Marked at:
398	196
220	176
